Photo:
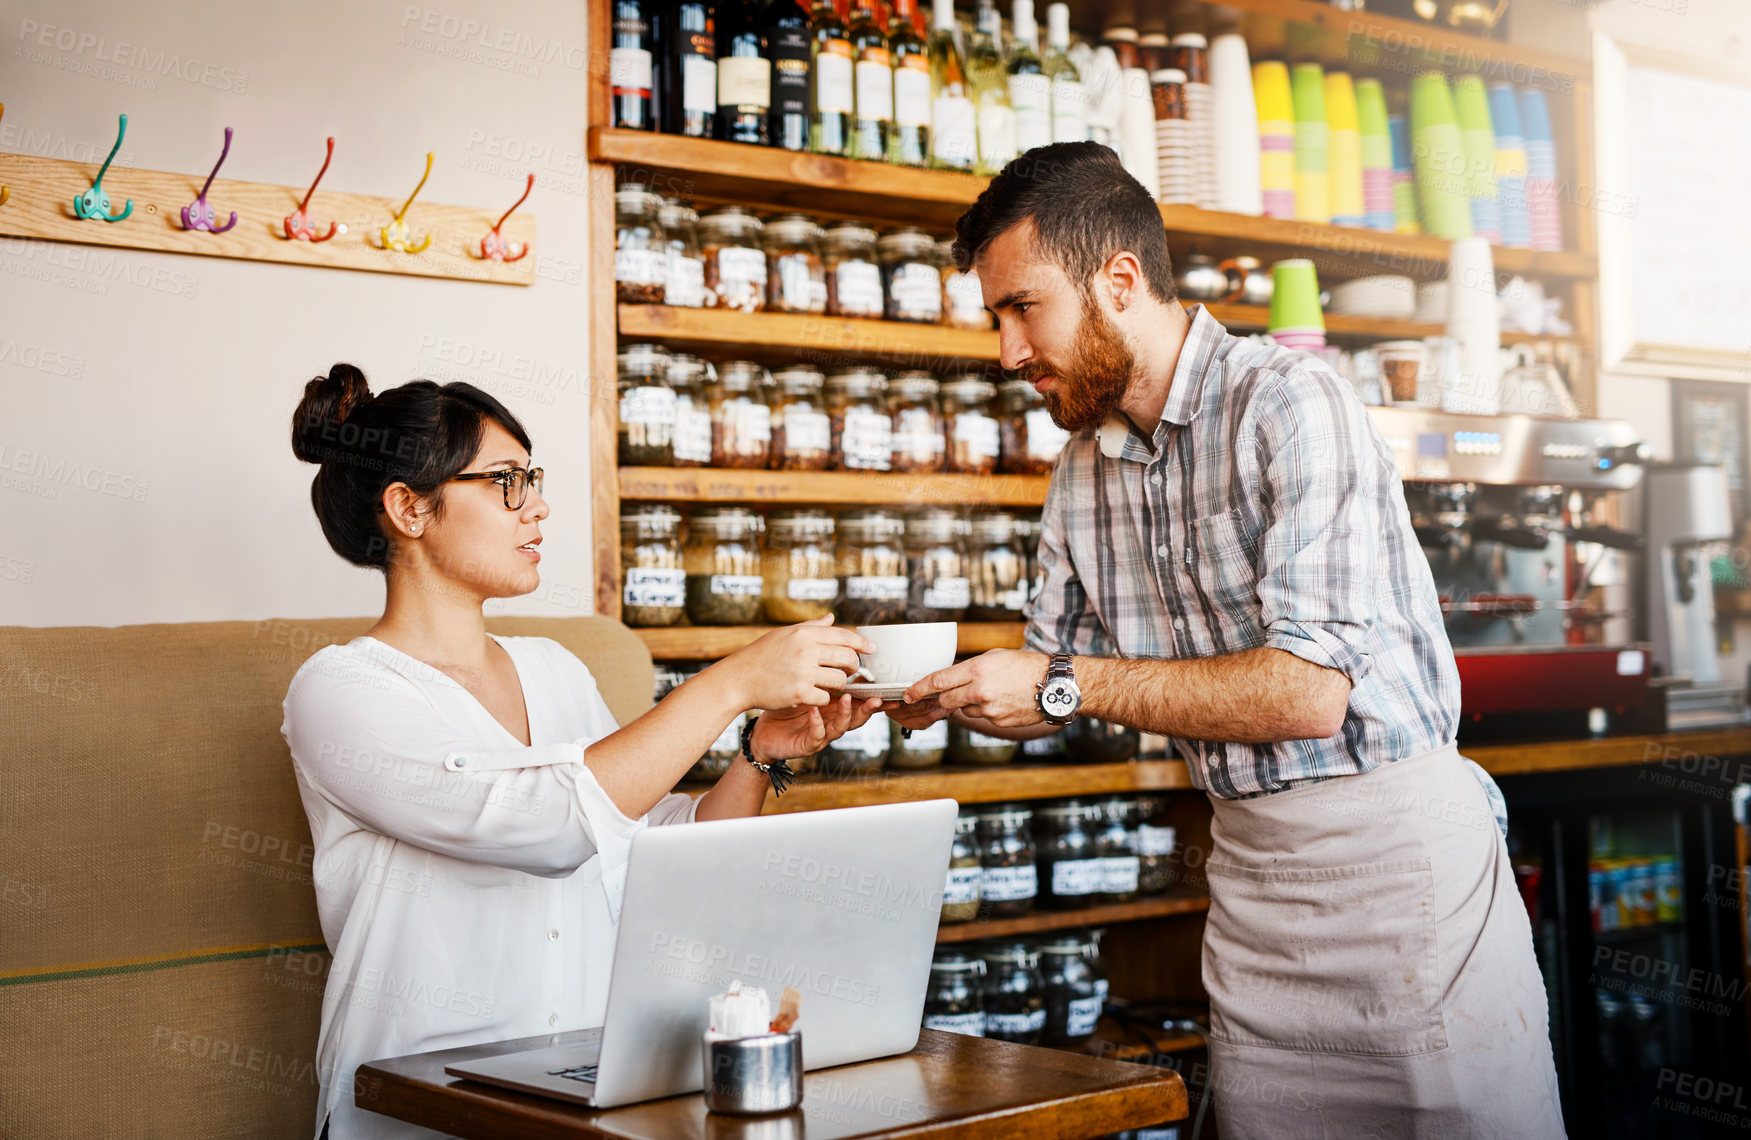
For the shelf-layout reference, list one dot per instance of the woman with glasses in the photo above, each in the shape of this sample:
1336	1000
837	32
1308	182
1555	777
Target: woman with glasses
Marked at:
471	799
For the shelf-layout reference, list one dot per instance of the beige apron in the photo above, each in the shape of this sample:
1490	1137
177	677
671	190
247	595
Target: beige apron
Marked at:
1370	966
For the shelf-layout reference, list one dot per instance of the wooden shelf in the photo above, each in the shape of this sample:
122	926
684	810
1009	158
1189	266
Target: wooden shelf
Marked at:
1255	318
1000	783
725	485
707	642
1041	920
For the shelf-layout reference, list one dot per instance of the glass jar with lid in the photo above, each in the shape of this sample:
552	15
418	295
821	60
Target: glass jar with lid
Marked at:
641	248
963	300
688	377
796	278
862	751
1115	821
800	584
684	266
735	261
970	746
854	275
954	998
1031	441
647	407
1094	741
921	748
802	435
741	421
936	560
916	443
960	894
1008	878
1073	984
1015	994
1071	870
653	582
871	565
722	560
996	568
862	430
1156	836
910	276
969	430
1027	532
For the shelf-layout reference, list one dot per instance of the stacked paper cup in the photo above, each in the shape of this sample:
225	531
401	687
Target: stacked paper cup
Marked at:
1270	89
1312	144
1173	137
1542	215
1471	380
1295	319
1376	156
1236	126
1443	189
1478	136
1510	166
1137	130
1404	187
1191	54
1345	157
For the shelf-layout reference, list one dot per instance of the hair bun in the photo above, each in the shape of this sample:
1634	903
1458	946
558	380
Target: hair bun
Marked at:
328	401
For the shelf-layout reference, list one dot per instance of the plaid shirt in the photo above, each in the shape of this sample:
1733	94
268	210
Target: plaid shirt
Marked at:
1268	512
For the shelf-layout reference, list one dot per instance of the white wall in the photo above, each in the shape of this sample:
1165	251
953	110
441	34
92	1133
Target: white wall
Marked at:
168	382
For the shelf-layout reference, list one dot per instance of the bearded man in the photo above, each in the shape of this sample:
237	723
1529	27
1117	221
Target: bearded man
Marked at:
1227	560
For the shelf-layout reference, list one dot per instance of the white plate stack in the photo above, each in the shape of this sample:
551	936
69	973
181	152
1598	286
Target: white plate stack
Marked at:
1236	127
1201	112
1386	297
1431	303
1173	148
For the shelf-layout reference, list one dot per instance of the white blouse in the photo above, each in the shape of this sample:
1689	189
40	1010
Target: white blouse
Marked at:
469	886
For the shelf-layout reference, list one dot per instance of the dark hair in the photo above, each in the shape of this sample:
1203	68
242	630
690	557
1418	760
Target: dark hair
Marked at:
1085	207
419	434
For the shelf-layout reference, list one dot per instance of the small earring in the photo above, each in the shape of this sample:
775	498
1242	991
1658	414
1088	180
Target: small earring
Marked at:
418	530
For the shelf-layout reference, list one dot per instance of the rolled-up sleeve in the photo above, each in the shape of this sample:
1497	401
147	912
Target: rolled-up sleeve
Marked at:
1319	546
1059	619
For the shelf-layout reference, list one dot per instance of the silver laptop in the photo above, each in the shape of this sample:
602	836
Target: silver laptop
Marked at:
841	904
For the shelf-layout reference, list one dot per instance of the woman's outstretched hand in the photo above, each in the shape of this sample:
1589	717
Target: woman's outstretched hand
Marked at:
803	664
785	734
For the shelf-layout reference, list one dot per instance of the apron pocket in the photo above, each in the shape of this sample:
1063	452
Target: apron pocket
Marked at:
1333	959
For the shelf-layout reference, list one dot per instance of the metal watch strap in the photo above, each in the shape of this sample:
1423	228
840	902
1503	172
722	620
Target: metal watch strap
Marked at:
780	773
1060	667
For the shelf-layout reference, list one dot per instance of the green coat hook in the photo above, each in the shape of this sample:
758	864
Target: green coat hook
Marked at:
94	203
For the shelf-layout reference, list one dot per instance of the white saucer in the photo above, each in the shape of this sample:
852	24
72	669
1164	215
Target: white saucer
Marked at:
862	690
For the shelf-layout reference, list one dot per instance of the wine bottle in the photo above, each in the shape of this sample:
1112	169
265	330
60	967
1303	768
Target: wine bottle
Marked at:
909	143
630	79
744	74
785	28
874	119
954	131
1030	91
690	71
831	102
1069	97
989	82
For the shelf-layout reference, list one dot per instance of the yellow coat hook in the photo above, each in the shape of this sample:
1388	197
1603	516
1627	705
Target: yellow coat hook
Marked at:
395	235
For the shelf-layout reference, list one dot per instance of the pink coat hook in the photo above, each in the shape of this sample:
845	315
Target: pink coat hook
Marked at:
298	223
396	235
493	247
197	215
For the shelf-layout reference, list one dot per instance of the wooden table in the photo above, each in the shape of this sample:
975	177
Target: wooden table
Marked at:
950	1085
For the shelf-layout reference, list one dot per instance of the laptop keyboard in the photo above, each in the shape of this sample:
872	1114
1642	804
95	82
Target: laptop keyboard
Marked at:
585	1073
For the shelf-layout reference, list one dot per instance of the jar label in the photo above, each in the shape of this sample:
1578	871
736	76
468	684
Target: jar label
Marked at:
980	740
807	431
970	1024
1069	111
654	588
1031	97
978	432
1154	840
915	289
870	588
1119	874
949	594
744	81
1101	987
736	585
741	274
746	421
962	886
912	92
996	134
1015	599
730	739
867	439
683	281
693	435
833	78
1045	439
875	85
966	299
917	444
1077	876
1082	1016
926	739
860	287
650	405
1009	884
699	83
954	131
641	266
629	69
870	738
812	589
1016	1023
796	285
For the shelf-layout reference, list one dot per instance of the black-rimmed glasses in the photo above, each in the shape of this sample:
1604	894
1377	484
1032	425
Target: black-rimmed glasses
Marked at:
515	482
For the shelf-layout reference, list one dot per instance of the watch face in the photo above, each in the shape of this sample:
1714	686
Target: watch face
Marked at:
1060	698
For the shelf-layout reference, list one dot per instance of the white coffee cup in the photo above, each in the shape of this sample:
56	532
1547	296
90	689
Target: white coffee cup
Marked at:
905	653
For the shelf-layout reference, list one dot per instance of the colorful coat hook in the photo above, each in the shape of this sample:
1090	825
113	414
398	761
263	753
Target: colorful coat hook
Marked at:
395	235
197	215
494	247
298	223
94	203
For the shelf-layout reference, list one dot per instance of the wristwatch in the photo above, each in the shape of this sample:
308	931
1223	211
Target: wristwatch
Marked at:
1057	697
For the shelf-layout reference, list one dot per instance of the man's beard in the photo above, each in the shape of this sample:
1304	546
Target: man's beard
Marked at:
1087	387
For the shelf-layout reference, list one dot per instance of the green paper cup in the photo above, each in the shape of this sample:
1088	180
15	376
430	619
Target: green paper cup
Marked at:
1295	297
1308	85
1431	102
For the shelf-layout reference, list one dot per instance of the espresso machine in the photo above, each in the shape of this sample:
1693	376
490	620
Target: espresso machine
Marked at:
1687	516
1511	513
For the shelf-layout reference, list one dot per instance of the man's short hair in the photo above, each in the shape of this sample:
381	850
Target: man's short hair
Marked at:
1085	207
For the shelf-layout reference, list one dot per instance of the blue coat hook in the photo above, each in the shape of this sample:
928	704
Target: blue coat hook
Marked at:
197	215
94	203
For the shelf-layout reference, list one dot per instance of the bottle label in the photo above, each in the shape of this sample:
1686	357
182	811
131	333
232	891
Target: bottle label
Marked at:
812	589
949	594
1045	439
1031	98
867	440
876	589
1069	111
693	435
683	281
741	272
699	83
875	85
1154	840
963	884
1119	874
789	53
833	78
1017	1024
629	71
1009	884
736	585
744	81
807	431
954	131
969	1024
912	92
1083	1015
979	433
641	266
916	291
996	134
925	740
870	739
647	406
1077	876
860	287
730	739
655	588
